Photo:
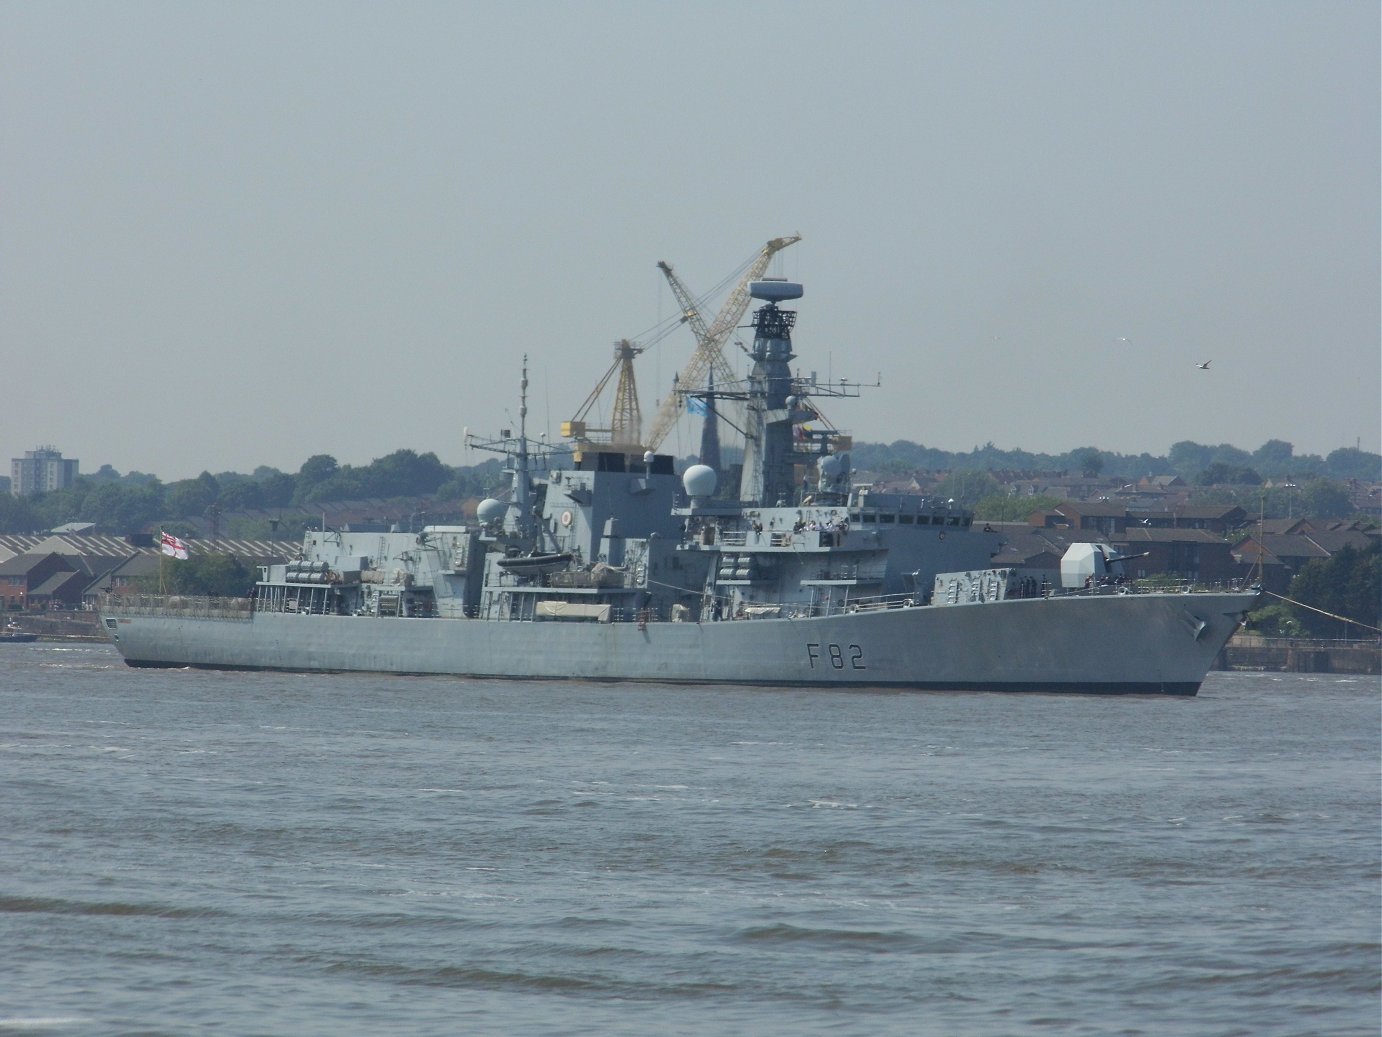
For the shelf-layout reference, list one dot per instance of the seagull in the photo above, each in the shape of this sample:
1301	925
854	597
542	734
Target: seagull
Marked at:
1204	366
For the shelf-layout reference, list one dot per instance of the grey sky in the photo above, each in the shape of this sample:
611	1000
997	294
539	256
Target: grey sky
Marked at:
243	234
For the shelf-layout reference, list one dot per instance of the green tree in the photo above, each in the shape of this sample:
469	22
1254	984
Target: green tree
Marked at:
1230	455
1220	472
405	473
1274	457
1324	498
189	498
968	488
278	490
1276	620
241	493
210	575
140	505
1349	584
1091	463
317	469
1001	507
1187	458
104	503
347	484
1352	463
17	515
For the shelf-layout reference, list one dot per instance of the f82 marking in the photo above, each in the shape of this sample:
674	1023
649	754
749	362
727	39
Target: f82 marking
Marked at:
837	657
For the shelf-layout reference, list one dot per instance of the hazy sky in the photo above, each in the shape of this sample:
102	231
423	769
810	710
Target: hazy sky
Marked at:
246	233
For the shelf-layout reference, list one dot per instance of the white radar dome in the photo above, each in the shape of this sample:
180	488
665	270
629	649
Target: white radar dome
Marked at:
491	510
831	466
699	480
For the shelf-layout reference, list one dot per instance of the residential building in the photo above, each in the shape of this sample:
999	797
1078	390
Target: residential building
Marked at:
41	471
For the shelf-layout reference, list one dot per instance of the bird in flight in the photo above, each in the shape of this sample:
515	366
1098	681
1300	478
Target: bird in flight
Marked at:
1204	366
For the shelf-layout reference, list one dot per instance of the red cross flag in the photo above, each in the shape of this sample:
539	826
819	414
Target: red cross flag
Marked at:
171	545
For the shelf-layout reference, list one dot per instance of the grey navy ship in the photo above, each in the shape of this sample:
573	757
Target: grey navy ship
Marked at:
601	563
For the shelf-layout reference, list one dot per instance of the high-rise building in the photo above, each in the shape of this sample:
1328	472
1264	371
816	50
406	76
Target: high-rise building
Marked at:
41	470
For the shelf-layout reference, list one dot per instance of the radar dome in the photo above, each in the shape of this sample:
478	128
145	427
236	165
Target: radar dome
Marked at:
831	466
491	510
699	480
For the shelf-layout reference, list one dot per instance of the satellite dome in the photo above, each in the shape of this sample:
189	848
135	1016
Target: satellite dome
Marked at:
491	510
831	466
699	480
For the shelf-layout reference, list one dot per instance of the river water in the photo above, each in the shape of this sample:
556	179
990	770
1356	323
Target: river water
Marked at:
187	851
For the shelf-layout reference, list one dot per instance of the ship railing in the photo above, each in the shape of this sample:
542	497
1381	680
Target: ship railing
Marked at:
812	609
1154	585
185	606
876	603
1177	584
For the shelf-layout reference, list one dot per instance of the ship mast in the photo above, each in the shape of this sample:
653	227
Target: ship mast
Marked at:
520	520
522	483
768	453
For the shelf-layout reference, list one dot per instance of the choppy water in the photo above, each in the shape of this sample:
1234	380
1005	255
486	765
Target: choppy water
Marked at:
279	854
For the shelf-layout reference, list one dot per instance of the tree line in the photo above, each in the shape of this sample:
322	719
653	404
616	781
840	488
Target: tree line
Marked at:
1304	484
1198	463
138	501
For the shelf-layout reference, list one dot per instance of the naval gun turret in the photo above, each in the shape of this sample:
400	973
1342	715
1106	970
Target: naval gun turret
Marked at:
1089	565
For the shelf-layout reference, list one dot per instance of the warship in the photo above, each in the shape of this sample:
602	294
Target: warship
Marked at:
602	563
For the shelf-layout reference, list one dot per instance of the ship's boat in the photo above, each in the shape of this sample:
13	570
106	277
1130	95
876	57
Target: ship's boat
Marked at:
606	565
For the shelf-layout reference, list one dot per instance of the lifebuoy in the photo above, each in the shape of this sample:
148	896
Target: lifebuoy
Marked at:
566	518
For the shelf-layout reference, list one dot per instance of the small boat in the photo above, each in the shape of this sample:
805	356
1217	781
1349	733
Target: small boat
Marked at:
536	564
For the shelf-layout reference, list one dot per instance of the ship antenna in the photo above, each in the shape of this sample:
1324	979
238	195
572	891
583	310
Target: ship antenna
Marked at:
520	474
523	403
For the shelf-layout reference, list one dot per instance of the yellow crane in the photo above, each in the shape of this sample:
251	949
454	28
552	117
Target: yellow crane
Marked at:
624	434
710	339
626	423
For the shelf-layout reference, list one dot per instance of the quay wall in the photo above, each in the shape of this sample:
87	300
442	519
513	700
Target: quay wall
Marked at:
1300	655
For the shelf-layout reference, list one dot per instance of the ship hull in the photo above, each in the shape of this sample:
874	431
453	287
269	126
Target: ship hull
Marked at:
1108	644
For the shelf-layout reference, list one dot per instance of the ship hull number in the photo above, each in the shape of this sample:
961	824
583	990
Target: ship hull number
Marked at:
835	657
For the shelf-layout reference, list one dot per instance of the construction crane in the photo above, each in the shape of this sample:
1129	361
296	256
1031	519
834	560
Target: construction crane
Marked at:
713	360
710	340
626	423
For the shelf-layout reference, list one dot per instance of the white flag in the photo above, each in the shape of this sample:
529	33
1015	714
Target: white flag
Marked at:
171	545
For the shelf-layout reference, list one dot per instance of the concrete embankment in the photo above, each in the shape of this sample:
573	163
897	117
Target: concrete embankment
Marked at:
58	626
1300	655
